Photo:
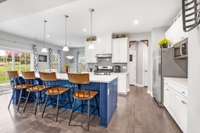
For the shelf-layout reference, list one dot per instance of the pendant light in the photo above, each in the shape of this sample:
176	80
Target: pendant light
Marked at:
92	38
66	48
44	49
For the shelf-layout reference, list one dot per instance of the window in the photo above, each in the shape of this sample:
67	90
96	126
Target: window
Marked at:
5	65
12	60
54	62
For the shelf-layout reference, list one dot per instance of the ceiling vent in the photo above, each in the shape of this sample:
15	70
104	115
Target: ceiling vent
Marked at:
1	1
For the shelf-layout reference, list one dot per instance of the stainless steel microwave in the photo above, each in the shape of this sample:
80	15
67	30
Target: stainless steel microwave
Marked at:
180	50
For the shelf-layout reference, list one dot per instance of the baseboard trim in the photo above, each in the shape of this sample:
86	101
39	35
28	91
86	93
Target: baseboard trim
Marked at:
122	93
139	85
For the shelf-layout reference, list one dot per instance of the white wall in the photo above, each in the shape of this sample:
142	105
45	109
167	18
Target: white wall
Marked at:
18	43
194	80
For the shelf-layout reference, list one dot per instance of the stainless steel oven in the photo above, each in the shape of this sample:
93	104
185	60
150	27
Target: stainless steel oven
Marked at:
181	49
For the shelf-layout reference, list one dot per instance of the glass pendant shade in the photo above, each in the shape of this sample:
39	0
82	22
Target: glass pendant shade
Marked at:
70	57
44	49
91	40
91	46
66	48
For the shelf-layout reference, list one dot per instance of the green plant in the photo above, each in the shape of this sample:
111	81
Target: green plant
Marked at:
164	43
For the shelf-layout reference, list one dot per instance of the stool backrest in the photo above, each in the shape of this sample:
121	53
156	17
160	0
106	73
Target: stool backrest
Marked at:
29	75
81	79
48	76
12	74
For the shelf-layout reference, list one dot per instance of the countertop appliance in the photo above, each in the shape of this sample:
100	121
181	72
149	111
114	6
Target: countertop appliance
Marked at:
103	70
180	50
116	68
165	65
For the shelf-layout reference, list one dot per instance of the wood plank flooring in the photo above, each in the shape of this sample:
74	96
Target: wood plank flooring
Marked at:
136	113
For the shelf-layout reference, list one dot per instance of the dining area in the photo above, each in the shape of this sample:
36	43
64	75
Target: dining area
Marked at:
50	93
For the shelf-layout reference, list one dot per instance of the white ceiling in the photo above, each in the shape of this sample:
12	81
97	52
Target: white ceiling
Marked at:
109	16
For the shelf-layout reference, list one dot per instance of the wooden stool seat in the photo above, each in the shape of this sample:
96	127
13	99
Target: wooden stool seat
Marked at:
23	86
37	88
85	95
53	90
57	91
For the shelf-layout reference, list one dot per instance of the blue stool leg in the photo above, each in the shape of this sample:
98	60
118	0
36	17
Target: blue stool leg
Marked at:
88	111
45	105
36	102
73	107
58	98
19	100
27	98
11	99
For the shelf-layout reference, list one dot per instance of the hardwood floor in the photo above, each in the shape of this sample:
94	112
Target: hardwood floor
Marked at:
136	113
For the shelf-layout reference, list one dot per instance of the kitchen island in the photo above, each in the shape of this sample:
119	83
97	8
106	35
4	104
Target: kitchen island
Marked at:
106	85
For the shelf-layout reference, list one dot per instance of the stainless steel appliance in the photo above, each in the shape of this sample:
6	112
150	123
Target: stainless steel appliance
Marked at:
165	65
103	70
104	55
181	49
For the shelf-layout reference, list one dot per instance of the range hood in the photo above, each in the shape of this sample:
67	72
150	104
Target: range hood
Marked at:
104	55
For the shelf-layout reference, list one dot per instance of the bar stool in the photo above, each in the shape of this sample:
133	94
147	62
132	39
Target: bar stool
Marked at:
53	90
82	95
36	89
17	85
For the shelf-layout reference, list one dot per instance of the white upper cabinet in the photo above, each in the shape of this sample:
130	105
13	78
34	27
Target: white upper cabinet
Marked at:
104	44
120	50
175	33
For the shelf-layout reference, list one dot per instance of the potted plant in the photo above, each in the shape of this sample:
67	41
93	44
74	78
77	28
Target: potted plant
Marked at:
164	43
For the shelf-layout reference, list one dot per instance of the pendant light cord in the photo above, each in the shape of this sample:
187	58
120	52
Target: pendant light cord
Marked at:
66	17
44	32
91	21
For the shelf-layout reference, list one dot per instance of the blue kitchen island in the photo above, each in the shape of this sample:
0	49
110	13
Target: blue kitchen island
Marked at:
106	85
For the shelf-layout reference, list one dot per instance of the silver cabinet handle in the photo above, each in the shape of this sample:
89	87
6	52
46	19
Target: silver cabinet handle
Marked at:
183	92
183	102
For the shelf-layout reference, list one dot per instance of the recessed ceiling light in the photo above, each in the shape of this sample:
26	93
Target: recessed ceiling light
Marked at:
84	30
48	36
135	21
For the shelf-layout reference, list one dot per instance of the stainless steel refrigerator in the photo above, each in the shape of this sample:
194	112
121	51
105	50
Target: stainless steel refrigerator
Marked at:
165	65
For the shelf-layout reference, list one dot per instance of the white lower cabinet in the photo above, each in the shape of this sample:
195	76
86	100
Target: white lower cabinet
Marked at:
123	86
181	111
176	104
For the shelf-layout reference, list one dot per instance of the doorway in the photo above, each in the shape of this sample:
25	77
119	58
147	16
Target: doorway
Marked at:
138	63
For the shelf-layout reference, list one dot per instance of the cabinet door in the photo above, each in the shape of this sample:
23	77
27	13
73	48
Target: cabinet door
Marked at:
181	111
166	96
120	50
116	51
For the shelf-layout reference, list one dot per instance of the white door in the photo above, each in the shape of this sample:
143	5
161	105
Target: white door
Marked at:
145	64
132	64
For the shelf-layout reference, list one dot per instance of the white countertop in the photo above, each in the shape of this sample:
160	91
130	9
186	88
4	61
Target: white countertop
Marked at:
93	78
